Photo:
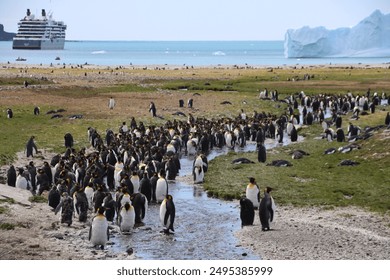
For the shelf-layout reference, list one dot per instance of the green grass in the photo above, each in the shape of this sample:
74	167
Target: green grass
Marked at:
37	199
7	226
315	180
3	209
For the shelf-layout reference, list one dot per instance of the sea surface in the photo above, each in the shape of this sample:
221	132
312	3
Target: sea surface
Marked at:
171	53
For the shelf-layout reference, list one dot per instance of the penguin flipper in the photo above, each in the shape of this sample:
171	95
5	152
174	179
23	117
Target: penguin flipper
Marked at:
90	233
166	216
108	233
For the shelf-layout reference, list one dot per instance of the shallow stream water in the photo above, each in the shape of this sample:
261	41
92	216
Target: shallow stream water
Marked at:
204	227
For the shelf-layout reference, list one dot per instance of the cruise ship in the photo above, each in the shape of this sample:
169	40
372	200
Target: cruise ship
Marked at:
42	33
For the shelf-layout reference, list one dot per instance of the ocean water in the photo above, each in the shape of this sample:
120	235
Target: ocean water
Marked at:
171	53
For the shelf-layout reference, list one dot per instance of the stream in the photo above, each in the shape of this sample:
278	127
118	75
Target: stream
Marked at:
204	227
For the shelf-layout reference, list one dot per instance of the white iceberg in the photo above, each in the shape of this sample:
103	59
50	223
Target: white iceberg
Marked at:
369	38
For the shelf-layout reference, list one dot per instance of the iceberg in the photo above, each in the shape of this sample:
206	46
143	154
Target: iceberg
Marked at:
369	38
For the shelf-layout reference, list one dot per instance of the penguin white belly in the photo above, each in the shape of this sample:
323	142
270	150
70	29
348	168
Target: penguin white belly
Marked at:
117	172
199	175
89	193
99	234
228	140
273	206
21	182
252	195
191	149
161	190
135	182
127	219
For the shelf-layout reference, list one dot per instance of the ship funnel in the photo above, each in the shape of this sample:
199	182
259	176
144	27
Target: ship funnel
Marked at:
28	12
43	12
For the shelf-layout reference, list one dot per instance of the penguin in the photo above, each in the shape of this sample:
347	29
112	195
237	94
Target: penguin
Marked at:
261	153
247	212
242	160
153	182
202	161
266	210
279	163
298	154
98	197
109	206
167	214
81	204
339	121
140	204
387	119
10	114
348	162
135	181
89	191
21	181
330	151
294	134
43	182
11	176
198	174
145	187
122	198
152	109
111	103
99	232
340	136
32	170
36	111
68	138
161	188
126	220
66	206
252	192
54	197
191	147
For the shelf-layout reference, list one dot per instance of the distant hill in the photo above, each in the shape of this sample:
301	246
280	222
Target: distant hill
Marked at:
5	36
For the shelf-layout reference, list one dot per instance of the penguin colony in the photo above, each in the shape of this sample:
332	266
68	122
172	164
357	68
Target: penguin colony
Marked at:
106	184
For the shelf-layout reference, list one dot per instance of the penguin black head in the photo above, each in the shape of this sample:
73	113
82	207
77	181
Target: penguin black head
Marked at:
252	180
169	197
101	210
268	189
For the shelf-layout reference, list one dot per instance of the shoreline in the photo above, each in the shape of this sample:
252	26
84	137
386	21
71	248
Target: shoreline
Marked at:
59	65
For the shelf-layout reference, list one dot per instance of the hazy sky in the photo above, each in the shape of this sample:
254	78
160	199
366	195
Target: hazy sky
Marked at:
191	19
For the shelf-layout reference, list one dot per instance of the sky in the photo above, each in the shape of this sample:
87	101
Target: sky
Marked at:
191	19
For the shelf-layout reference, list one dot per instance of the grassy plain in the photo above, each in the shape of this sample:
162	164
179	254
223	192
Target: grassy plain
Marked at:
314	180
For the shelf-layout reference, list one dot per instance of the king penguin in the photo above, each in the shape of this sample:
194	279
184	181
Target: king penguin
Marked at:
261	153
198	174
99	232
167	214
54	197
161	188
247	212
126	218
11	176
21	181
253	193
266	210
140	203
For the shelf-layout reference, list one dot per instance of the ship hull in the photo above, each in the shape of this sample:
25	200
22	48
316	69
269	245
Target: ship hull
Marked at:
26	44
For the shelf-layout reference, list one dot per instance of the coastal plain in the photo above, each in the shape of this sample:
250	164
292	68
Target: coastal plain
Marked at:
343	215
